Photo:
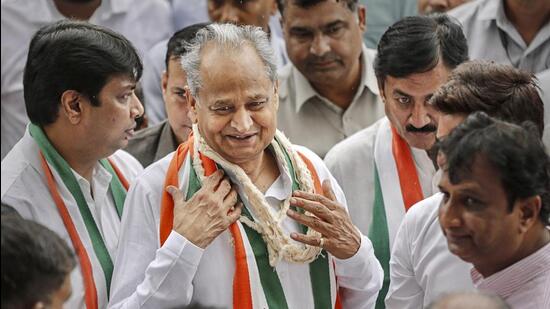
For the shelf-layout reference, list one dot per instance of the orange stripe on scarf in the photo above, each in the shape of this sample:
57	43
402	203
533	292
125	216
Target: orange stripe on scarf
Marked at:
406	170
242	297
90	292
319	190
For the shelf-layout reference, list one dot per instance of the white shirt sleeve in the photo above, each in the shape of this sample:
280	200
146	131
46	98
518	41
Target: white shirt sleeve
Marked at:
404	291
360	276
146	276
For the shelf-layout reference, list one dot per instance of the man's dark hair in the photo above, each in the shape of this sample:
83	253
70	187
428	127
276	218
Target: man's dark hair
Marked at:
499	90
35	263
73	55
416	44
177	45
350	4
515	152
8	211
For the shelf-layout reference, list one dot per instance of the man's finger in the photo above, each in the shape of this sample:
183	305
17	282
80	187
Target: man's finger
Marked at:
235	214
312	240
310	221
316	197
230	199
327	190
214	179
316	208
177	194
224	187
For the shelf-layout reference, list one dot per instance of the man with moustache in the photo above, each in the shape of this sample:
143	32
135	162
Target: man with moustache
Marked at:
328	91
67	172
495	211
153	143
437	6
421	266
385	168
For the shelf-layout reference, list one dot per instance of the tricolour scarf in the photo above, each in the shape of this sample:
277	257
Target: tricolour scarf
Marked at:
256	283
118	188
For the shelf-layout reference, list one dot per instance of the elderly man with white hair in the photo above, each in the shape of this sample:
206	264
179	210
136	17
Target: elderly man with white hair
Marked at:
238	216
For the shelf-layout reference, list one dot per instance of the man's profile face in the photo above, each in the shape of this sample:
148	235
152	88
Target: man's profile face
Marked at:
236	110
174	81
324	41
406	105
437	6
476	220
242	12
110	125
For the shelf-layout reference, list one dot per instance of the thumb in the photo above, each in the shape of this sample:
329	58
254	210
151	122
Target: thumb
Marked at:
327	190
176	193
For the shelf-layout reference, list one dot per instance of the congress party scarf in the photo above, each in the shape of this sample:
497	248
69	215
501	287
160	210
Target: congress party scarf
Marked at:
394	164
118	186
255	283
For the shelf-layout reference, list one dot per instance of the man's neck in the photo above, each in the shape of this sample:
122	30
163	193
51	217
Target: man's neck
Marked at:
343	92
262	172
80	11
528	16
534	240
80	160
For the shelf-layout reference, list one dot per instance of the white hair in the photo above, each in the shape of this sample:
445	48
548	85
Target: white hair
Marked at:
231	38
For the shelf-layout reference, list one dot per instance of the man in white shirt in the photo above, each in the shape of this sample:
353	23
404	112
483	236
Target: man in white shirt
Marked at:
495	211
237	166
421	266
67	171
143	22
385	168
514	32
260	13
328	91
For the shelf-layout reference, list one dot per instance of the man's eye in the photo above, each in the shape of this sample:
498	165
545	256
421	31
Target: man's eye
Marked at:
472	203
126	97
404	100
256	105
334	30
222	109
301	35
180	94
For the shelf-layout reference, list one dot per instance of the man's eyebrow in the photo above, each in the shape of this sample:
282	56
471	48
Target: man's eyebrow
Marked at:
402	93
338	22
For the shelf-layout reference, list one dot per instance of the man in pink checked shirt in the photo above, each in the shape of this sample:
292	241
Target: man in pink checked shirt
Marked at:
496	206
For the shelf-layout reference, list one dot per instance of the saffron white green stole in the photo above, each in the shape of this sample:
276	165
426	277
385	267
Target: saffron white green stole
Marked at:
256	283
396	188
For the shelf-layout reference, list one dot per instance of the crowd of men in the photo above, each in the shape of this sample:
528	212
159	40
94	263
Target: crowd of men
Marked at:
257	154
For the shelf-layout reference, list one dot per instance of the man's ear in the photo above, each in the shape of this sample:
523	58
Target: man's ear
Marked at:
71	105
528	210
274	8
362	17
276	94
381	91
164	84
192	114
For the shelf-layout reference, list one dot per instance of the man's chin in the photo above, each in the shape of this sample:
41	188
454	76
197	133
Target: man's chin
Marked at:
424	141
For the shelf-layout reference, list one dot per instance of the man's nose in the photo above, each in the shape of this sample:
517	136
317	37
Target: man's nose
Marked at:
419	116
320	45
242	120
136	109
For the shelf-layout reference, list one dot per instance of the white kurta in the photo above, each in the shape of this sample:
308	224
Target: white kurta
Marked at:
352	164
179	273
421	267
24	187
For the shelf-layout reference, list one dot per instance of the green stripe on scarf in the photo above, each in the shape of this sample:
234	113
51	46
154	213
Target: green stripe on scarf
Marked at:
378	234
271	285
64	170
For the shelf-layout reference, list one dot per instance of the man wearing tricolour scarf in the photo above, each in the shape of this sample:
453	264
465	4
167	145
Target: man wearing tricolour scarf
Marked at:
67	171
385	168
248	223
